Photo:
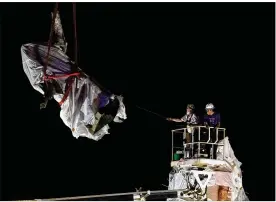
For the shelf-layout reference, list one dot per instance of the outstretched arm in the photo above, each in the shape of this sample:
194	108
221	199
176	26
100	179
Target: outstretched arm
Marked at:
175	120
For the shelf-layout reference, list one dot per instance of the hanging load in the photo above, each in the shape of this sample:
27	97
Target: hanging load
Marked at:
86	108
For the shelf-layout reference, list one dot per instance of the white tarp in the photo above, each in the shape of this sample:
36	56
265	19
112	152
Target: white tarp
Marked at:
238	193
177	180
80	110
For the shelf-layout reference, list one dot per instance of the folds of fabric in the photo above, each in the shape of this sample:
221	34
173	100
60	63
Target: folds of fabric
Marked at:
78	109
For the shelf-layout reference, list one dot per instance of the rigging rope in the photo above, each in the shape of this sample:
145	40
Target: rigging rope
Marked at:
77	51
46	77
74	68
75	33
50	42
151	112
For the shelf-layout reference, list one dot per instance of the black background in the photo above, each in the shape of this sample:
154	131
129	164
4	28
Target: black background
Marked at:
160	56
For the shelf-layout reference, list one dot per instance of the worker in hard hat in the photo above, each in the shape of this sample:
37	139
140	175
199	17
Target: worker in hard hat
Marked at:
190	119
211	119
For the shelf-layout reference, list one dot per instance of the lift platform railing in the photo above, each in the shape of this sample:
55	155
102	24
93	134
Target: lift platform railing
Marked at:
202	133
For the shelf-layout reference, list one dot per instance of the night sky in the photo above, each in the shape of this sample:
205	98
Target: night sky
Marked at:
159	56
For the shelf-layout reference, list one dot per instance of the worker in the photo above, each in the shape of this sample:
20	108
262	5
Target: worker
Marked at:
190	119
211	119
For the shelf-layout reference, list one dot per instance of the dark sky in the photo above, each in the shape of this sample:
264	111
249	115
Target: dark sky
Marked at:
159	56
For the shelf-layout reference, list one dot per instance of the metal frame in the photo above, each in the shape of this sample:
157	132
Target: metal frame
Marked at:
196	174
183	131
138	195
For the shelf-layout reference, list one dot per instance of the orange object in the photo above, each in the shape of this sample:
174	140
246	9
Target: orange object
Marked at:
223	193
218	193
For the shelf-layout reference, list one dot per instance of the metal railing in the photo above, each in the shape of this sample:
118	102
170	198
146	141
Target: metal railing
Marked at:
201	135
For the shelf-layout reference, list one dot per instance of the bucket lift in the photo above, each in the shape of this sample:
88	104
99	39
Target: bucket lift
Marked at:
203	138
193	174
191	160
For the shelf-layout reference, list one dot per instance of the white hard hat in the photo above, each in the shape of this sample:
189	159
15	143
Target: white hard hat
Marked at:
112	97
210	106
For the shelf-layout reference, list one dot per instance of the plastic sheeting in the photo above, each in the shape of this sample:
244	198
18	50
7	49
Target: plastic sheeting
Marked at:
79	109
226	153
233	179
212	192
223	179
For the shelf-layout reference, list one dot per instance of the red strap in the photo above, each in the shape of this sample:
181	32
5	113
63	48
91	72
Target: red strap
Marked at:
61	76
69	87
47	77
66	93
